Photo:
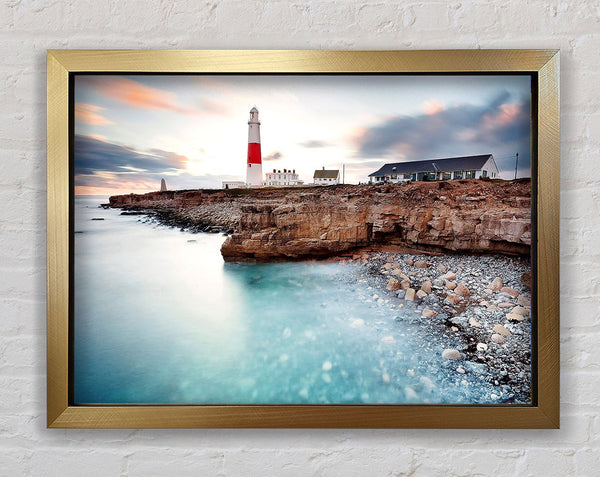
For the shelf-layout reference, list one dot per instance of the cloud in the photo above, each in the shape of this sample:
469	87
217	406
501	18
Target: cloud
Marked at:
88	114
93	156
137	95
106	168
273	157
433	106
499	127
313	144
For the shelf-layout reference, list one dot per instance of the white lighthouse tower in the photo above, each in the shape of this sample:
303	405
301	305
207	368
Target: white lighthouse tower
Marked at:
254	169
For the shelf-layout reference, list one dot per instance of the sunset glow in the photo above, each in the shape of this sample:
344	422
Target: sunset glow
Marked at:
131	131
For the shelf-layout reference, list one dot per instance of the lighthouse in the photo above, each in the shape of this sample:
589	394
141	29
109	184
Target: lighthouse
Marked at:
254	169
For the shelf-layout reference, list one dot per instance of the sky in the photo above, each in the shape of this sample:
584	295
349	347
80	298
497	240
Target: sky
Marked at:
192	130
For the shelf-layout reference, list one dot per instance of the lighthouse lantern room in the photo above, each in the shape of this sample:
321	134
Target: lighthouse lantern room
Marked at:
254	169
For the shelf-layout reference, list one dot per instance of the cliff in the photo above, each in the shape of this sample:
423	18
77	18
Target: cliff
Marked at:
475	216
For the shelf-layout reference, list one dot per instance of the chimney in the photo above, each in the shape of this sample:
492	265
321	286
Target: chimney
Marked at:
323	167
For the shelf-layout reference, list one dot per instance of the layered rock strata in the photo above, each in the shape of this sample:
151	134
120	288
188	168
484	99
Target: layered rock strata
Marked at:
475	216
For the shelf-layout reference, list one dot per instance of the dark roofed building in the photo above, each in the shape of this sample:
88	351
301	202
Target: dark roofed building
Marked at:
465	167
326	177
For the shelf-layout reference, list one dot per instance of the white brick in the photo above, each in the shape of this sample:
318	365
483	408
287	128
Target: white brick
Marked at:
91	462
548	462
180	462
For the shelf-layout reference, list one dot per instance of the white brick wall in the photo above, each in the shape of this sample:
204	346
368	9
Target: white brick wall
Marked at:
30	27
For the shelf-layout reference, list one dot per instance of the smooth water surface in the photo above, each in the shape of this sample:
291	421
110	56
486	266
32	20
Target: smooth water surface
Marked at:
160	318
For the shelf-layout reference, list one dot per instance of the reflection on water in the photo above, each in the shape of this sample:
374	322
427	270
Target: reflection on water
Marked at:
160	318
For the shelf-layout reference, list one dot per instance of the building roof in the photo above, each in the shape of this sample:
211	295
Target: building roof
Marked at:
326	174
464	163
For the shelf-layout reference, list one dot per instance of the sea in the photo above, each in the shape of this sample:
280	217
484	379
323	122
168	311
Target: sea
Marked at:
160	318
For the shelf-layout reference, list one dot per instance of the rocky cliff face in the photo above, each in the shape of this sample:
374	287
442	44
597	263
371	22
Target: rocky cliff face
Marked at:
476	216
466	216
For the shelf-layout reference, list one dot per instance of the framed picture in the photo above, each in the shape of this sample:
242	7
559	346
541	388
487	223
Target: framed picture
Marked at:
352	239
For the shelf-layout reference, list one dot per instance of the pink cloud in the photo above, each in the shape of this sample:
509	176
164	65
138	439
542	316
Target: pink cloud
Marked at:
88	114
433	106
140	96
503	116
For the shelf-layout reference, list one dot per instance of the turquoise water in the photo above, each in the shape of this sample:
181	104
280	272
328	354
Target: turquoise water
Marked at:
160	318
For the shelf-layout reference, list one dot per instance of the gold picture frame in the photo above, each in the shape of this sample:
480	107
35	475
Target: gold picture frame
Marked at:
543	65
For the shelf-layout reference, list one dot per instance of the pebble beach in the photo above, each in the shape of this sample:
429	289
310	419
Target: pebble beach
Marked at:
476	311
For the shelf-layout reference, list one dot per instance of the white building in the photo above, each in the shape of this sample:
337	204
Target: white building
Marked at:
466	167
234	184
285	178
326	177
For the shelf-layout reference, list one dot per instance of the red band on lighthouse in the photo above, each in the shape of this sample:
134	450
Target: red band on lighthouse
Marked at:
254	156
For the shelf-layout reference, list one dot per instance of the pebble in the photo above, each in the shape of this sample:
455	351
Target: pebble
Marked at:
454	328
405	284
496	284
410	394
410	372
460	370
421	264
410	294
427	383
450	353
393	284
501	330
524	300
450	285
498	339
441	268
327	366
453	298
388	340
462	290
514	317
409	262
449	276
358	322
482	347
427	313
386	378
421	294
510	291
474	322
426	286
519	310
505	304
